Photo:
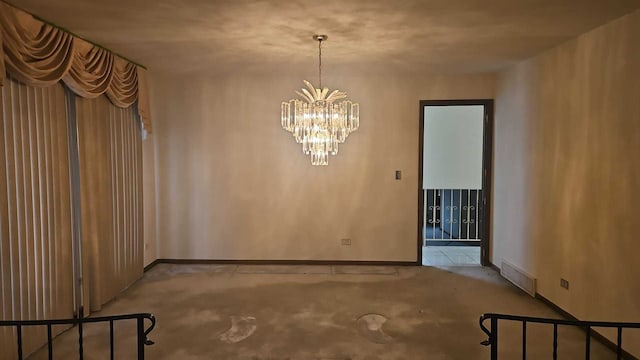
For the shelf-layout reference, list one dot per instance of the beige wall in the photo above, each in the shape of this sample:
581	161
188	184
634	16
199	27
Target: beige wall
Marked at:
567	179
232	184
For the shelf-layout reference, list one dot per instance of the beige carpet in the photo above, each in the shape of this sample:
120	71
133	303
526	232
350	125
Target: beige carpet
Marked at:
322	312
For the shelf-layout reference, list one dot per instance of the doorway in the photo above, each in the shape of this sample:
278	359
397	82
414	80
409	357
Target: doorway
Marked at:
454	189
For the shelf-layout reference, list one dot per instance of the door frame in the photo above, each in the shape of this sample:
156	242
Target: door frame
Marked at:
487	159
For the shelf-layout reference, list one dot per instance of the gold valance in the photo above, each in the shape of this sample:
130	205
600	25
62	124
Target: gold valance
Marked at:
39	54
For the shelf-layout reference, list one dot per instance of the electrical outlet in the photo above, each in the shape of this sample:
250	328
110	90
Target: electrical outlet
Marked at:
564	283
345	242
398	175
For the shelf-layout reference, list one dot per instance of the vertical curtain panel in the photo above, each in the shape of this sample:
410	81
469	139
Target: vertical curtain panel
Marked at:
39	54
36	274
111	192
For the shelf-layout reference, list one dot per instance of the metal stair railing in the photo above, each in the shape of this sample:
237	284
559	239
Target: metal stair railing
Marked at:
587	326
142	333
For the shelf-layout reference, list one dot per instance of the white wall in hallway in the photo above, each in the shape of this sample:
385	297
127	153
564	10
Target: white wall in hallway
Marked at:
453	147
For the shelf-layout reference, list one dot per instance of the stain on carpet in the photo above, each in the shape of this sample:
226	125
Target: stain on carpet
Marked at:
241	328
370	326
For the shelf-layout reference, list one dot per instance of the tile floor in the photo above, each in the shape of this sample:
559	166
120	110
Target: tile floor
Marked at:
450	255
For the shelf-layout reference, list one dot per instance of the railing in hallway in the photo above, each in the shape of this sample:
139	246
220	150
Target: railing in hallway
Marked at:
142	333
452	215
587	326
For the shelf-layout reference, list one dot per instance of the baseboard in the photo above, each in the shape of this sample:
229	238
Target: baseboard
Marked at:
280	262
493	267
596	335
152	264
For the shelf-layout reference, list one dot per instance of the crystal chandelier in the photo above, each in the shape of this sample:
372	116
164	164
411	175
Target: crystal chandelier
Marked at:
320	121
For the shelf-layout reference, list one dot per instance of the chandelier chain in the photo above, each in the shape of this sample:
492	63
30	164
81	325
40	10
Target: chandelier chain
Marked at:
320	62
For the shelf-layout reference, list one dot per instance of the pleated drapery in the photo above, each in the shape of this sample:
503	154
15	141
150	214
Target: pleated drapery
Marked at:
39	54
35	54
144	106
123	92
110	149
90	76
36	273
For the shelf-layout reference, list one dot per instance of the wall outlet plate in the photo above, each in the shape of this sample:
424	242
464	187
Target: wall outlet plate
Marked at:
346	242
564	283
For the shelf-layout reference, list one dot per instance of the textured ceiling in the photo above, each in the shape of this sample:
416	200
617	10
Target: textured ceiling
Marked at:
431	35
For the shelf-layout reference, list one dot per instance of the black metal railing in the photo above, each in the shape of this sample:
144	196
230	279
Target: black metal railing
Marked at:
452	215
142	333
587	326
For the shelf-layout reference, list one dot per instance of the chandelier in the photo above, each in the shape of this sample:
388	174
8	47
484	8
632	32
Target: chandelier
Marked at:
321	120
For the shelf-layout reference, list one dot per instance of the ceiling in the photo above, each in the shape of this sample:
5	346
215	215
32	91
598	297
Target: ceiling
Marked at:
264	35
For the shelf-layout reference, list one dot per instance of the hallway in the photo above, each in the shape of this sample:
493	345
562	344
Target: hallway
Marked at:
451	256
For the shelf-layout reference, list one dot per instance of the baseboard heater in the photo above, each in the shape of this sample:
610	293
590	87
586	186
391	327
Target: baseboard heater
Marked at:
518	277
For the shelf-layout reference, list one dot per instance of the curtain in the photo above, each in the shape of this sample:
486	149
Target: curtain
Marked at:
144	106
110	149
36	271
36	232
34	53
38	54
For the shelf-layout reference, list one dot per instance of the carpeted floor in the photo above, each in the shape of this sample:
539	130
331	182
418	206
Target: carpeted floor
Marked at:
322	312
